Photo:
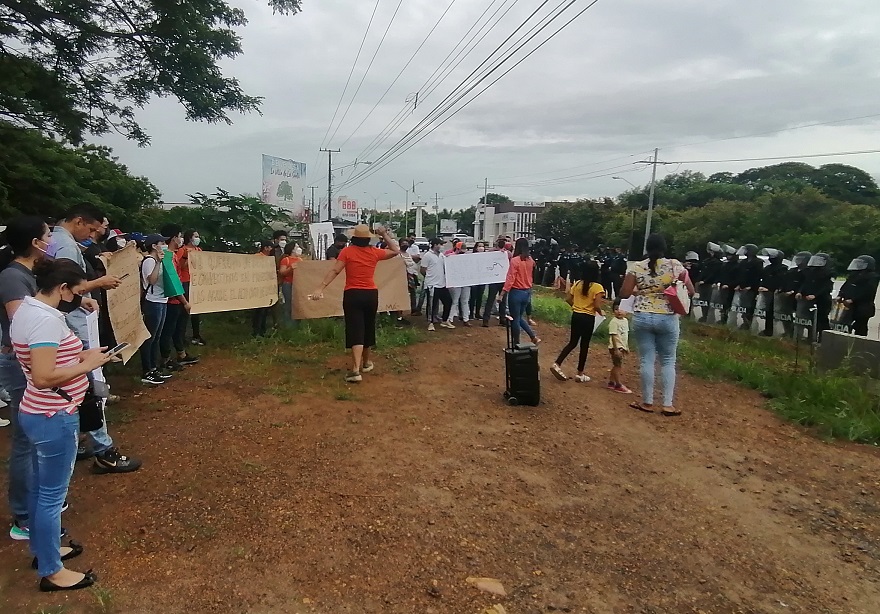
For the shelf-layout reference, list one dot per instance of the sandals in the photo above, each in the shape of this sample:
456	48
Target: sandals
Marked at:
670	411
648	409
76	549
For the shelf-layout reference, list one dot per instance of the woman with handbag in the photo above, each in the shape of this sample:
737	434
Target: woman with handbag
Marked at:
656	310
55	367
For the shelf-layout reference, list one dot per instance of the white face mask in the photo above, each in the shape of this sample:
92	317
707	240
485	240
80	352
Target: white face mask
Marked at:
121	243
282	244
196	241
298	250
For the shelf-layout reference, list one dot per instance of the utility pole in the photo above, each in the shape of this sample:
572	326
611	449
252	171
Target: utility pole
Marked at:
481	219
650	202
312	204
437	212
330	153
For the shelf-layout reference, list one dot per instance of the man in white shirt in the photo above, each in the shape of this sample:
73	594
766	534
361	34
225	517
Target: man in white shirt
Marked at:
433	268
412	272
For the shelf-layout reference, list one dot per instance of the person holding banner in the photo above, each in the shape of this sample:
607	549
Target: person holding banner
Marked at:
360	299
461	297
286	270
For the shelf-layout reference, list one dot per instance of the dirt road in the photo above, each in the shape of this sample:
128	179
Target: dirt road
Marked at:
282	491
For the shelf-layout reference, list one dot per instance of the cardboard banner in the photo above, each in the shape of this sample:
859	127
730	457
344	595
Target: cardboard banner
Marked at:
464	270
230	282
390	278
124	303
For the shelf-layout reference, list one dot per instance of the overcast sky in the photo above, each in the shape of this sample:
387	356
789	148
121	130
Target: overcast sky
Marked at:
689	76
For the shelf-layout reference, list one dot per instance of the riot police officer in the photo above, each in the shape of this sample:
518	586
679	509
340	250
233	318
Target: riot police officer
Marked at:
728	278
791	284
748	280
710	271
859	293
772	280
817	288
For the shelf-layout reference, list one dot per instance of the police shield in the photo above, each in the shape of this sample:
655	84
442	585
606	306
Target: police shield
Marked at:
763	310
742	303
803	319
783	314
841	318
701	302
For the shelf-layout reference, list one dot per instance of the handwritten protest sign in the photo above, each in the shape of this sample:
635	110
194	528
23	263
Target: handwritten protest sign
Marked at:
464	270
390	279
124	303
230	282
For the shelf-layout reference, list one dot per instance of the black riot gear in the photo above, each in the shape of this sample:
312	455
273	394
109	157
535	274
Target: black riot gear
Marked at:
801	259
773	254
817	288
713	248
862	263
859	294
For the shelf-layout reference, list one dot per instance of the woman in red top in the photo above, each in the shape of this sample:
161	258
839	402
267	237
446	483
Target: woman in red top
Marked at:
191	241
360	300
286	269
518	290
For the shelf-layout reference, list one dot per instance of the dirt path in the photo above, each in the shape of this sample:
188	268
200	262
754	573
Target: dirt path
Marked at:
263	493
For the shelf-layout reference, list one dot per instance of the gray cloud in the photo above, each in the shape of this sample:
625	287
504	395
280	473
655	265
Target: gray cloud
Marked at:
626	77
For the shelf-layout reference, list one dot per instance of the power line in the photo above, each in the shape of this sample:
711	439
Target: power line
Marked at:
370	65
411	58
408	139
770	158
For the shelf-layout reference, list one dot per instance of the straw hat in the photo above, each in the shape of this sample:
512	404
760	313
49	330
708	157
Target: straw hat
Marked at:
362	231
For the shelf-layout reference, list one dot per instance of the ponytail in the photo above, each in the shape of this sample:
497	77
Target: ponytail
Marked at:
655	248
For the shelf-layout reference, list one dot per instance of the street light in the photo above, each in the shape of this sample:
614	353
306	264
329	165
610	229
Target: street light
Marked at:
406	203
628	181
376	203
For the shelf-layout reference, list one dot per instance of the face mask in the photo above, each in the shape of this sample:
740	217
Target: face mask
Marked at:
121	243
45	251
70	306
196	241
165	248
481	249
298	251
282	244
86	242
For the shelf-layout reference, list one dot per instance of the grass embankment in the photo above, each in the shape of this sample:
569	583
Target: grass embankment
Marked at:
838	404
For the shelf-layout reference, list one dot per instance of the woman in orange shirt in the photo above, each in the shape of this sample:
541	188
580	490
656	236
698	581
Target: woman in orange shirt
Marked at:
518	290
191	241
286	269
360	299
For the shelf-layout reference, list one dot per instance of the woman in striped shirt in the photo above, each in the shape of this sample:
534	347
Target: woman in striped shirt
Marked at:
55	367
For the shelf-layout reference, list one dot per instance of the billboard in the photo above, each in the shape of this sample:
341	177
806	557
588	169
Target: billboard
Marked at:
283	181
448	227
346	209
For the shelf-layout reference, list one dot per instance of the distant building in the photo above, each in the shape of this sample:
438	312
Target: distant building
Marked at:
513	219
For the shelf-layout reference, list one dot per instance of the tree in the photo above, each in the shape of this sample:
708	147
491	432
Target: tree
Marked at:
465	218
75	66
847	183
495	199
285	191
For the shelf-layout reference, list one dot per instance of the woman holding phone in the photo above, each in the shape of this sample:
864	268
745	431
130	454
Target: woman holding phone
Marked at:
360	299
55	367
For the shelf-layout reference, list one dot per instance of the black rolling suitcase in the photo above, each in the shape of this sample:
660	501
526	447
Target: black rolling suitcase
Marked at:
522	377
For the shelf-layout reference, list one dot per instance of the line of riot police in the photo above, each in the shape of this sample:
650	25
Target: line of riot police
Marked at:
739	287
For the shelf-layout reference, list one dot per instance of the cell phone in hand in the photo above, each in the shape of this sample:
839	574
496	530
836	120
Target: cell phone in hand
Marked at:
117	349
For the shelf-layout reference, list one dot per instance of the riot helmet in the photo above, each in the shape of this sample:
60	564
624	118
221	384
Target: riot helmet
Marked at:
728	249
820	260
713	248
801	259
749	249
692	257
775	255
862	263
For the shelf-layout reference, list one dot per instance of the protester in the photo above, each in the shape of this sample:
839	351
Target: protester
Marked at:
78	223
494	290
655	325
176	311
433	268
154	307
461	297
286	270
412	273
339	243
475	304
56	367
618	347
586	297
191	242
27	239
360	298
518	290
260	315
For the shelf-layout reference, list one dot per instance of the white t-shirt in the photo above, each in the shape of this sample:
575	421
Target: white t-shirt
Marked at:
411	267
413	250
155	293
435	269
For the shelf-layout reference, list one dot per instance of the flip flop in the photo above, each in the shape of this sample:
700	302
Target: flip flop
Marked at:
671	411
640	407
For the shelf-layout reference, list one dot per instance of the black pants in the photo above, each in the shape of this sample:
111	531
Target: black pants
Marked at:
608	285
582	325
258	320
196	320
476	302
492	292
435	297
173	316
359	309
617	283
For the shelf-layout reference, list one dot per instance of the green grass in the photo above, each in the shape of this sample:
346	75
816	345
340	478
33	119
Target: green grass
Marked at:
550	308
837	404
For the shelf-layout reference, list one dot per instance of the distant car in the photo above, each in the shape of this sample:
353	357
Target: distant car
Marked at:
422	243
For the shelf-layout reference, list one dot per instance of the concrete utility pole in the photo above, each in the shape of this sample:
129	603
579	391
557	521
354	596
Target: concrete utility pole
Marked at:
437	212
650	202
481	219
330	153
312	212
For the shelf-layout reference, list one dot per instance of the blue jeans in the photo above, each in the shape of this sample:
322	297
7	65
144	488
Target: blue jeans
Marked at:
53	453
517	302
657	336
101	440
12	379
154	318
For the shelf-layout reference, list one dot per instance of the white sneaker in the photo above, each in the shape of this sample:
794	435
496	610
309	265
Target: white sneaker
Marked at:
431	328
368	367
583	379
4	422
449	325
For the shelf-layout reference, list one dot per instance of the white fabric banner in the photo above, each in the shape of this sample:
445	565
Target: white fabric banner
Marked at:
476	269
321	235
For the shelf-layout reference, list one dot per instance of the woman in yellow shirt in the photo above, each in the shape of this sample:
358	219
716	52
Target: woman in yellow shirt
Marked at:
585	297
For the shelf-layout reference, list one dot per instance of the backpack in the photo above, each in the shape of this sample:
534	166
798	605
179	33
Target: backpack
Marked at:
145	288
